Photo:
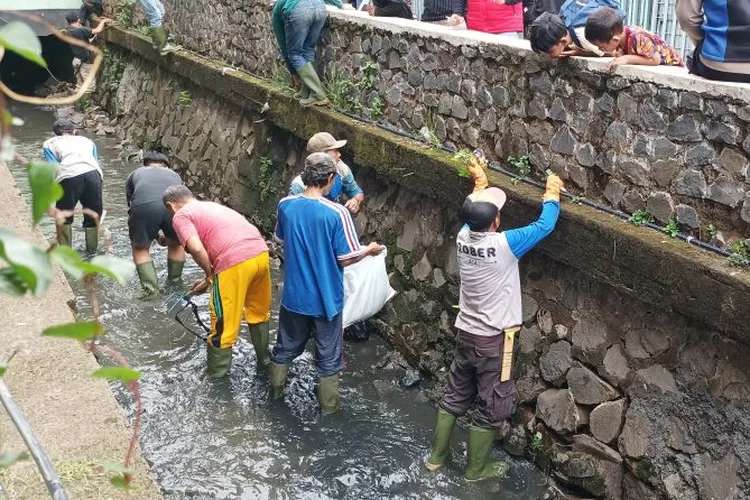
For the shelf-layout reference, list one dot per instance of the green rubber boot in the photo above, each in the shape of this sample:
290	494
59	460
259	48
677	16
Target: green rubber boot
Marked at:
442	441
219	361
158	37
277	375
259	338
174	270
328	394
149	281
66	235
310	78
92	239
479	466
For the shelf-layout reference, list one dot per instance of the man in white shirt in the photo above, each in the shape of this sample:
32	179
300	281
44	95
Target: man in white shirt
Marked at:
80	176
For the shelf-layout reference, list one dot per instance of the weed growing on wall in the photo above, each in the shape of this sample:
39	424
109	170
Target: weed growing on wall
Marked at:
265	183
672	228
185	99
347	95
740	255
523	165
126	13
641	217
114	67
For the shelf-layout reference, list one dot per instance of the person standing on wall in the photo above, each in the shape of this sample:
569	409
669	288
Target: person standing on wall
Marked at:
500	17
234	256
319	241
344	182
489	317
82	58
80	176
149	220
154	11
298	26
720	30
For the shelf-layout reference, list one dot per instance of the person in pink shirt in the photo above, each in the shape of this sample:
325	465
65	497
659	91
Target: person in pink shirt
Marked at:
234	256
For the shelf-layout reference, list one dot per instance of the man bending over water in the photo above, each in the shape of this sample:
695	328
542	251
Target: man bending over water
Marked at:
234	256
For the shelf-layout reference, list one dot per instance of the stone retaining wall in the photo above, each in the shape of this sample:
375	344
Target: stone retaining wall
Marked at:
641	138
630	401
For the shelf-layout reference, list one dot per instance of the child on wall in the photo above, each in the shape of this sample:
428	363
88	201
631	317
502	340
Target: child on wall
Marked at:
628	44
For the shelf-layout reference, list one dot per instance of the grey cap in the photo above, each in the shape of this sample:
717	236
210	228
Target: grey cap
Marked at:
318	166
61	126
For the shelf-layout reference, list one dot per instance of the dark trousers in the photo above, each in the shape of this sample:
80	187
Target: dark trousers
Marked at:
294	332
475	375
697	67
86	188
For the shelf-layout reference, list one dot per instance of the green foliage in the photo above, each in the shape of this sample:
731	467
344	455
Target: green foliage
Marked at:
21	39
121	373
44	190
346	94
711	231
577	199
30	268
114	66
122	475
281	79
740	255
641	217
522	164
536	444
144	30
3	368
377	107
185	99
672	228
82	331
429	131
463	156
126	13
267	187
85	103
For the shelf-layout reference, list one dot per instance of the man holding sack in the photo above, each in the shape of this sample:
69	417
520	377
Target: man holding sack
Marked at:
489	317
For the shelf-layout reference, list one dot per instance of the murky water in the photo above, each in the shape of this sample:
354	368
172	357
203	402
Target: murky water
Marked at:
224	439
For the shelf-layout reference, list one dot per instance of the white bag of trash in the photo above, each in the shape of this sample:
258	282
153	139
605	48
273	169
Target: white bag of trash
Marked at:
366	289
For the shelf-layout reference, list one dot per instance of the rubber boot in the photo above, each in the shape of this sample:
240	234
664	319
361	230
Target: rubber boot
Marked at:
219	361
479	466
259	338
442	440
159	41
66	235
328	394
147	276
302	93
92	239
277	375
174	270
310	78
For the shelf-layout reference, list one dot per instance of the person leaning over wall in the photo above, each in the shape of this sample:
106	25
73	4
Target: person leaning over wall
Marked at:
720	30
532	9
489	317
499	17
344	182
149	220
91	11
450	13
298	26
628	44
82	58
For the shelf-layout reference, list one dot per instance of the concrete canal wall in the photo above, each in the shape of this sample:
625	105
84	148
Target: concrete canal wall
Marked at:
631	360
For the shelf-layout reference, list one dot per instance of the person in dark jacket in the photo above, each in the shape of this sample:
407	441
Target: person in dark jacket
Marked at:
720	30
532	9
91	11
445	12
390	8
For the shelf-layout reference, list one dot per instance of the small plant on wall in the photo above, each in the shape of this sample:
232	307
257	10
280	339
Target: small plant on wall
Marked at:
265	182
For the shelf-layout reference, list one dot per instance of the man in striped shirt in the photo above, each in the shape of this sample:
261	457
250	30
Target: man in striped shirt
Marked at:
445	12
319	241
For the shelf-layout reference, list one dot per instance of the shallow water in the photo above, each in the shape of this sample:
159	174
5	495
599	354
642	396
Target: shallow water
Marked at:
224	439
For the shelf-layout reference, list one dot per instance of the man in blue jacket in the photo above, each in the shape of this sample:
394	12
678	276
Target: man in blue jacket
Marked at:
720	30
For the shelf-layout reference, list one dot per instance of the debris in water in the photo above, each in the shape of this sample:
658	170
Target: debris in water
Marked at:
411	378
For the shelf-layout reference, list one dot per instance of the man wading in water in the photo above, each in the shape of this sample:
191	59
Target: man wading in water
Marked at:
149	220
234	256
489	317
319	241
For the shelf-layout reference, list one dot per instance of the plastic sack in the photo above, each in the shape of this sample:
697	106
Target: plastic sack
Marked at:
366	289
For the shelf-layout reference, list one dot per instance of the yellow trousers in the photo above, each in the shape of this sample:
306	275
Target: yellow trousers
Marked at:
244	288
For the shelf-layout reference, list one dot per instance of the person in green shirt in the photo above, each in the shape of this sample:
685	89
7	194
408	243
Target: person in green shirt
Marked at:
298	25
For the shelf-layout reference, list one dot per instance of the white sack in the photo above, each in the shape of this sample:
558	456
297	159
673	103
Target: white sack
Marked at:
366	289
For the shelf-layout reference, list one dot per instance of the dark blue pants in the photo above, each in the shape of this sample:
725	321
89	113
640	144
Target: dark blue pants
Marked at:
303	26
294	332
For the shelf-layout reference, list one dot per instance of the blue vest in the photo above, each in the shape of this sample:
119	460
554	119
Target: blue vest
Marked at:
726	30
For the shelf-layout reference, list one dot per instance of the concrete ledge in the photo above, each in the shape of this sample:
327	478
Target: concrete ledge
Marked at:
643	263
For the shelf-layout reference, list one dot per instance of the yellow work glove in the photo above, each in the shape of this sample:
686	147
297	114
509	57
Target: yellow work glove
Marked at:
477	167
554	186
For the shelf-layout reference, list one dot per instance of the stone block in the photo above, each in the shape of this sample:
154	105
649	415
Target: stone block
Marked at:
537	109
733	161
635	439
555	363
617	83
422	269
614	192
687	216
726	191
557	409
589	339
586	155
468	90
700	154
530	307
405	241
667	98
720	131
557	111
691	101
651	118
653	380
607	419
580	176
483	98
516	442
500	96
605	104
641	145
661	206
628	108
746	144
529	340
529	385
664	171
445	104
745	213
587	388
541	83
635	170
664	148
684	129
721	478
691	183
563	142
597	476
679	437
618	136
489	121
458	108
615	367
470	135
561	332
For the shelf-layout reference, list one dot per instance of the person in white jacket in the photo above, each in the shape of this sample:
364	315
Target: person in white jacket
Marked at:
80	176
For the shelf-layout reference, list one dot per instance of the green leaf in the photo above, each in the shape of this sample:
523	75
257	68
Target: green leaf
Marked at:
117	468
9	458
11	283
70	261
82	331
44	190
120	373
3	368
21	39
121	483
115	268
31	264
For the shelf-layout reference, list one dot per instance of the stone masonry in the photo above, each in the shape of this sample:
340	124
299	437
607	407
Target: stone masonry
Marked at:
641	138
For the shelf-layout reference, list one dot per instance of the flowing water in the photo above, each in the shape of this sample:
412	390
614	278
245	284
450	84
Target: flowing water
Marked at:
224	439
